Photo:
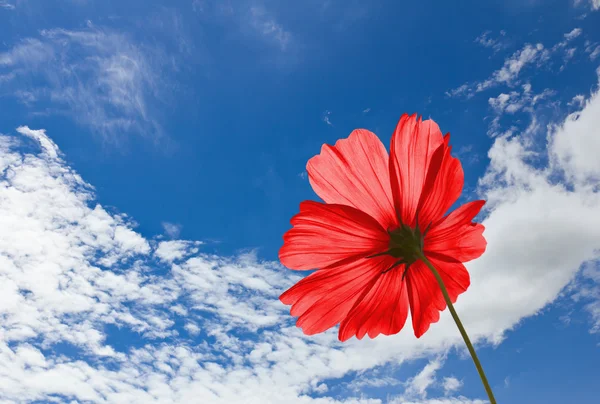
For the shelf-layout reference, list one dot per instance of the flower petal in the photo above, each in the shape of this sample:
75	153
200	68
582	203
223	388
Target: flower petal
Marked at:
355	172
455	237
413	144
324	298
381	309
424	293
325	234
443	184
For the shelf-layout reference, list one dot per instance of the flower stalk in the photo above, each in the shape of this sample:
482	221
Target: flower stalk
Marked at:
461	328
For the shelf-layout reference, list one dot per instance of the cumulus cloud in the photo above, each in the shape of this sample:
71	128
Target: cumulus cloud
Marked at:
99	78
90	308
173	250
574	143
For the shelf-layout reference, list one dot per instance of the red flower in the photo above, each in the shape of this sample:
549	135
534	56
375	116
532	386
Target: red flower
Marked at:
362	240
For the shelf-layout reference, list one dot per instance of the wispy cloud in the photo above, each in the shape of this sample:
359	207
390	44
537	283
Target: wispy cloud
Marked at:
467	154
578	101
4	4
516	101
569	36
417	386
98	77
524	100
326	118
496	44
252	19
171	229
514	65
592	49
266	25
508	73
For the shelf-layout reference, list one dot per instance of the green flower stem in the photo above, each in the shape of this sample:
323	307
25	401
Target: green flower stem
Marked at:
484	380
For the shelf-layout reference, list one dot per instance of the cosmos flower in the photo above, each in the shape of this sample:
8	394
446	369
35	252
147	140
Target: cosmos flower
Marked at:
382	214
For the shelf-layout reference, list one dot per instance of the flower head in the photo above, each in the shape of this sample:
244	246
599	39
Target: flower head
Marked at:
379	211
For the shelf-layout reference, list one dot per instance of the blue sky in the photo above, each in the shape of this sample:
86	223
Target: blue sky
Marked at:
152	155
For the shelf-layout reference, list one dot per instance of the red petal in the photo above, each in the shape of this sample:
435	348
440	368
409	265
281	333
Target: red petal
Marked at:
381	309
324	298
455	237
424	293
355	172
443	185
325	234
412	147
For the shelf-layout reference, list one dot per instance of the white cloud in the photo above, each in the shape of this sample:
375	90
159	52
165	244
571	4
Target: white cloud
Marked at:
418	385
174	250
593	4
577	101
99	78
172	229
451	384
192	328
496	44
87	269
569	36
508	74
574	143
515	101
514	65
592	49
501	103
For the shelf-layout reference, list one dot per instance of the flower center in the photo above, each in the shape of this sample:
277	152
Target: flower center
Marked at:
405	244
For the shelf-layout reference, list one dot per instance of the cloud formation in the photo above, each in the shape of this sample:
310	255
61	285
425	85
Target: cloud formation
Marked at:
510	72
77	281
99	78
